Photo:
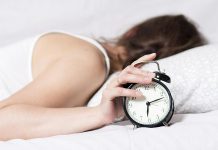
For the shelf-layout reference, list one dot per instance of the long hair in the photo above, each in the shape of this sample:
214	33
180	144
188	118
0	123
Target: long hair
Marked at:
165	35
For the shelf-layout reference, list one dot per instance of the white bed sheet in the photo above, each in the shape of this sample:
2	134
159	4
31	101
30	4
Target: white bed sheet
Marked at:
188	132
109	18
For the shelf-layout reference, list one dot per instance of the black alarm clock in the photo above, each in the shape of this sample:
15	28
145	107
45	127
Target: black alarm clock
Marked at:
156	108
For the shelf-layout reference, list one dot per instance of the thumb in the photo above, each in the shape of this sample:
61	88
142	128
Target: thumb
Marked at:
139	62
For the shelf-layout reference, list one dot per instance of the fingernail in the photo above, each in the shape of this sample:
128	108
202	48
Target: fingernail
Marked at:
148	80
152	74
152	54
149	74
139	94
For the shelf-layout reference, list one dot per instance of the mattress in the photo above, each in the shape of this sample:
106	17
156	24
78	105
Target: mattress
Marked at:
188	131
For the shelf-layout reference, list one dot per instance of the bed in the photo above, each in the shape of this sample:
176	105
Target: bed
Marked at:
95	18
190	131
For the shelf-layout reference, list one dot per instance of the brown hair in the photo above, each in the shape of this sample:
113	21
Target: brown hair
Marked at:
165	35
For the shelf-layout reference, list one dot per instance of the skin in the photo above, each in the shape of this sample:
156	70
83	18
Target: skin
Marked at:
52	104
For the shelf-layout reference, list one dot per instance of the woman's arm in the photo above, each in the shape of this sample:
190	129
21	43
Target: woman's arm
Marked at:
28	121
42	107
25	120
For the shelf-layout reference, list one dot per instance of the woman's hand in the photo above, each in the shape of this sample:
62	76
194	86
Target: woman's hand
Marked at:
111	105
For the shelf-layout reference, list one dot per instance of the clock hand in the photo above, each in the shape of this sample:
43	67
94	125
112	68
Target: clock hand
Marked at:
156	100
147	103
147	110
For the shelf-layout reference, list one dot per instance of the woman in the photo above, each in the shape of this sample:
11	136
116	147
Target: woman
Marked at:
66	70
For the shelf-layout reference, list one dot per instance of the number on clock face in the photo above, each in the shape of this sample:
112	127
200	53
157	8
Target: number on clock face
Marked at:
159	106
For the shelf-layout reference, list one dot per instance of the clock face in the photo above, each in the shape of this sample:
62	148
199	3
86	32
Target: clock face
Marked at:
153	108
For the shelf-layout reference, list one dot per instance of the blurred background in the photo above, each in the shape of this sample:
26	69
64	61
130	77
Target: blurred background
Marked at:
97	18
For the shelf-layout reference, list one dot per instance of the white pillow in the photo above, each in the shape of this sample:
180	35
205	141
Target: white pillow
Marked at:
194	79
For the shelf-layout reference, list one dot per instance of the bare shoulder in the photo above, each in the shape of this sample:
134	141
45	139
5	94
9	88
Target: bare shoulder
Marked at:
55	46
74	52
69	79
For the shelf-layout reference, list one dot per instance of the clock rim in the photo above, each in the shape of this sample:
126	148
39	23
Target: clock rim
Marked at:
166	119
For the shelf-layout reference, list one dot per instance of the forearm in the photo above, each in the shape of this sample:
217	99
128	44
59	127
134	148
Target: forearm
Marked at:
27	121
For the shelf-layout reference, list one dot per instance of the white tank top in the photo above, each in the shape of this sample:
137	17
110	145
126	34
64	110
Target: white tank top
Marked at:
16	64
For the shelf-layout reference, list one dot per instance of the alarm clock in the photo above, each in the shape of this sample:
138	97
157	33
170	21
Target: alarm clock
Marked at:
156	107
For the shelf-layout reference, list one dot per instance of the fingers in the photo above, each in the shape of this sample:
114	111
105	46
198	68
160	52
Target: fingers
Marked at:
110	94
144	58
131	75
132	78
134	70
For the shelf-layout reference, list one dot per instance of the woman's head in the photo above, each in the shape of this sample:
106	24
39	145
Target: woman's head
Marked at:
165	35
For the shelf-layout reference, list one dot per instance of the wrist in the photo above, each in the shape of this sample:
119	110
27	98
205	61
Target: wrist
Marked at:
119	111
104	118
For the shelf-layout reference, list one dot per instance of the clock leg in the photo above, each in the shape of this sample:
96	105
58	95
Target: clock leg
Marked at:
135	127
165	124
